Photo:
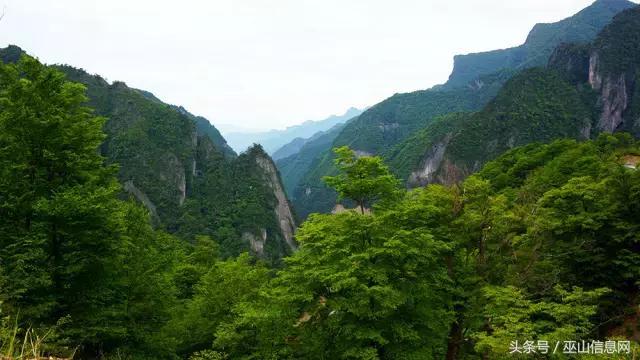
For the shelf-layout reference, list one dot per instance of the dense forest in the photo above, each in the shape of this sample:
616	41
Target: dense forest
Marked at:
129	229
541	244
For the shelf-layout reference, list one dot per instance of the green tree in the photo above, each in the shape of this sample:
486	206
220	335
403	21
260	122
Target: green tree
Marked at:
78	258
359	287
363	179
514	317
225	284
56	197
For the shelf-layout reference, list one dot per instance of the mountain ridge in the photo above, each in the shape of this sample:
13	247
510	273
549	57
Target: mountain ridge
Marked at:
179	166
272	140
584	91
387	124
543	37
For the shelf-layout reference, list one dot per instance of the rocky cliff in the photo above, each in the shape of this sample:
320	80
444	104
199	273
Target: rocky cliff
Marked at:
539	45
614	61
282	210
585	89
387	128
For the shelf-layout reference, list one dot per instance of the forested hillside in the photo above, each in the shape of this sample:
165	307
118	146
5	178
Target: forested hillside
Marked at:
541	245
296	165
585	90
475	80
542	40
179	166
495	221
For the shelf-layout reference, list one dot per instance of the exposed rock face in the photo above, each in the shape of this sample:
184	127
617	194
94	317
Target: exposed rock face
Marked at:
614	95
175	174
130	187
283	212
256	242
451	173
430	164
541	41
594	77
572	61
389	127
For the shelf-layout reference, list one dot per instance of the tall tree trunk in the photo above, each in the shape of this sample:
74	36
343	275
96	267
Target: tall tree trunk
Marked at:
454	341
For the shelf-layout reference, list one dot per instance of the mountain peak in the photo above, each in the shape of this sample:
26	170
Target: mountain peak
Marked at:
11	54
582	27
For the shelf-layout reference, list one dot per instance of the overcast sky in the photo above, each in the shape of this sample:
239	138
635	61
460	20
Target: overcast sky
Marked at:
269	64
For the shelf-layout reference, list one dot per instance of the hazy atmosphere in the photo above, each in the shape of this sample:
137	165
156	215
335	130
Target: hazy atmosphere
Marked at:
291	179
263	65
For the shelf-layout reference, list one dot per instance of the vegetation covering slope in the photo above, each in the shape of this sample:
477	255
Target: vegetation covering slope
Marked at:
475	80
541	244
181	169
542	40
586	89
296	165
537	105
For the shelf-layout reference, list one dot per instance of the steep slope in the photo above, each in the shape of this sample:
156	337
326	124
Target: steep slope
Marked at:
381	127
476	79
394	119
537	105
585	90
293	167
181	169
614	72
291	148
272	140
204	128
543	38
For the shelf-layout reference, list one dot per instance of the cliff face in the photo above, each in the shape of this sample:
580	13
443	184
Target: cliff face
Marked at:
614	94
584	90
540	43
614	63
282	210
537	105
431	164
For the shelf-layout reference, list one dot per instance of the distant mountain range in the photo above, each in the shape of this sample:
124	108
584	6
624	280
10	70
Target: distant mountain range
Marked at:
272	140
400	128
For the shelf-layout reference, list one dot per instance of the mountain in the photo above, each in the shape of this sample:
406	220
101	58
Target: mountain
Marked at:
295	165
475	80
585	90
272	140
180	167
536	105
292	147
543	38
204	127
297	144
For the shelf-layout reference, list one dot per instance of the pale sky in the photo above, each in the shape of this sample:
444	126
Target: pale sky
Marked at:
270	64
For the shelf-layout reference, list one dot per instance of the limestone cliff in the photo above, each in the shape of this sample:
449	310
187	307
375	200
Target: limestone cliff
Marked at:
282	210
614	94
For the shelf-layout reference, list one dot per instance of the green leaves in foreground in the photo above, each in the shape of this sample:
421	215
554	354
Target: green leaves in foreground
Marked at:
363	179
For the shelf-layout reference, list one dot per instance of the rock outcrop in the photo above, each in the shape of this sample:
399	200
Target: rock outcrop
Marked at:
131	188
283	213
430	165
614	95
